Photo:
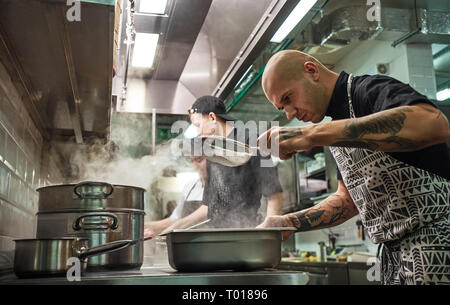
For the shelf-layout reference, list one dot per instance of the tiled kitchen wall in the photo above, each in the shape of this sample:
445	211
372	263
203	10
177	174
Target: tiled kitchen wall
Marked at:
20	155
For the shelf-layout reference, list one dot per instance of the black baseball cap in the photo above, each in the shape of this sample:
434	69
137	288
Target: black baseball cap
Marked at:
209	103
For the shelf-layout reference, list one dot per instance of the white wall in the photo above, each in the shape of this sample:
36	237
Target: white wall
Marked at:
367	54
409	63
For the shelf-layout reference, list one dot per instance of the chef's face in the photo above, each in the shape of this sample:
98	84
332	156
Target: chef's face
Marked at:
299	98
206	124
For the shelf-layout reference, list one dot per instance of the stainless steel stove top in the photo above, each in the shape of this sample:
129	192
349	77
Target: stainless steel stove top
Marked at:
165	275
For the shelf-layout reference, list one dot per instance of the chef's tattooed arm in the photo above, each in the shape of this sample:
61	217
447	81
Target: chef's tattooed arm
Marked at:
332	211
362	132
405	128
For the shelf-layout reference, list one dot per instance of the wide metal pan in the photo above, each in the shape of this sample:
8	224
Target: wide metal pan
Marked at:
224	249
50	256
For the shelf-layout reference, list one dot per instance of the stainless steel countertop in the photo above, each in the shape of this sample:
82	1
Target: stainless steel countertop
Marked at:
165	275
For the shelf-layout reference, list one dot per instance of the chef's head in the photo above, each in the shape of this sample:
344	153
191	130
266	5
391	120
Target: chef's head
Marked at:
208	114
298	84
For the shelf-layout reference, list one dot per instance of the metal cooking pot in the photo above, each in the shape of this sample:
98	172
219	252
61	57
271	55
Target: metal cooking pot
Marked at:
49	257
90	195
98	211
225	249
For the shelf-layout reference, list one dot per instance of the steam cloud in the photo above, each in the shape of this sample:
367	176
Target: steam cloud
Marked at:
102	162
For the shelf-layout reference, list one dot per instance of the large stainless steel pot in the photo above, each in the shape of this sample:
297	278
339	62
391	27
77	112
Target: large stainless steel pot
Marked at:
90	195
98	211
49	257
224	249
98	227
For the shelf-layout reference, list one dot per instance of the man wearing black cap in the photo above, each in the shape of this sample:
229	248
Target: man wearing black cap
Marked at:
232	194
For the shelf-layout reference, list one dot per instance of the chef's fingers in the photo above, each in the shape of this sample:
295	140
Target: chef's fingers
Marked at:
275	221
286	155
149	233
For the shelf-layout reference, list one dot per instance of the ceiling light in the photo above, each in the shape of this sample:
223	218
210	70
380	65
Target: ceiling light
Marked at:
153	6
297	14
144	50
443	95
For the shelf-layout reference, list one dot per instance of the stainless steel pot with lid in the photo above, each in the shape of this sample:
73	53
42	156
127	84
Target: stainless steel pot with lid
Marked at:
90	195
99	212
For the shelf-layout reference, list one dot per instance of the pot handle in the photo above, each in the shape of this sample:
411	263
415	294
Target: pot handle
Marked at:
114	225
103	195
108	247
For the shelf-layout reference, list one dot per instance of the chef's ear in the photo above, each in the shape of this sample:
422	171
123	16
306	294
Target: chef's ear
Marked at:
312	69
212	116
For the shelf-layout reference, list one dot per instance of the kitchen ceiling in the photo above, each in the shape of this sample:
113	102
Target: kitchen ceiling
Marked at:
198	41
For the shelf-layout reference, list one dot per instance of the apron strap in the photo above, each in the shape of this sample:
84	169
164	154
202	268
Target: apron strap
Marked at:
349	94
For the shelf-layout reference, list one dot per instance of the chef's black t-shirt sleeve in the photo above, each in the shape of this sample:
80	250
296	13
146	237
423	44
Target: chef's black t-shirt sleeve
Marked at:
270	183
381	93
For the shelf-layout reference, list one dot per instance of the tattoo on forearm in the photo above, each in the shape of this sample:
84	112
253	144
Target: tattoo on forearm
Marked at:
336	211
389	124
288	133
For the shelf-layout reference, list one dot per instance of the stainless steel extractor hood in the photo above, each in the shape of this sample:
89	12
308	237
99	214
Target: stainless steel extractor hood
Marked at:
62	68
199	39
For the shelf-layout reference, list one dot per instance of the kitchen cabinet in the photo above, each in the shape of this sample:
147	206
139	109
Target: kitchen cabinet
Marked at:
331	273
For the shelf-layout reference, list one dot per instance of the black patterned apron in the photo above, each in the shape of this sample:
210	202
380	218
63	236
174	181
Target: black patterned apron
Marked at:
402	207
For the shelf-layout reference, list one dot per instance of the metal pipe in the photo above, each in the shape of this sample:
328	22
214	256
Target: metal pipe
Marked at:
153	131
441	52
412	33
129	42
405	37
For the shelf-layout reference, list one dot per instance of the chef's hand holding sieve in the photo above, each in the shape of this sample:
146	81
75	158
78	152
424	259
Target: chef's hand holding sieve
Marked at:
284	142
